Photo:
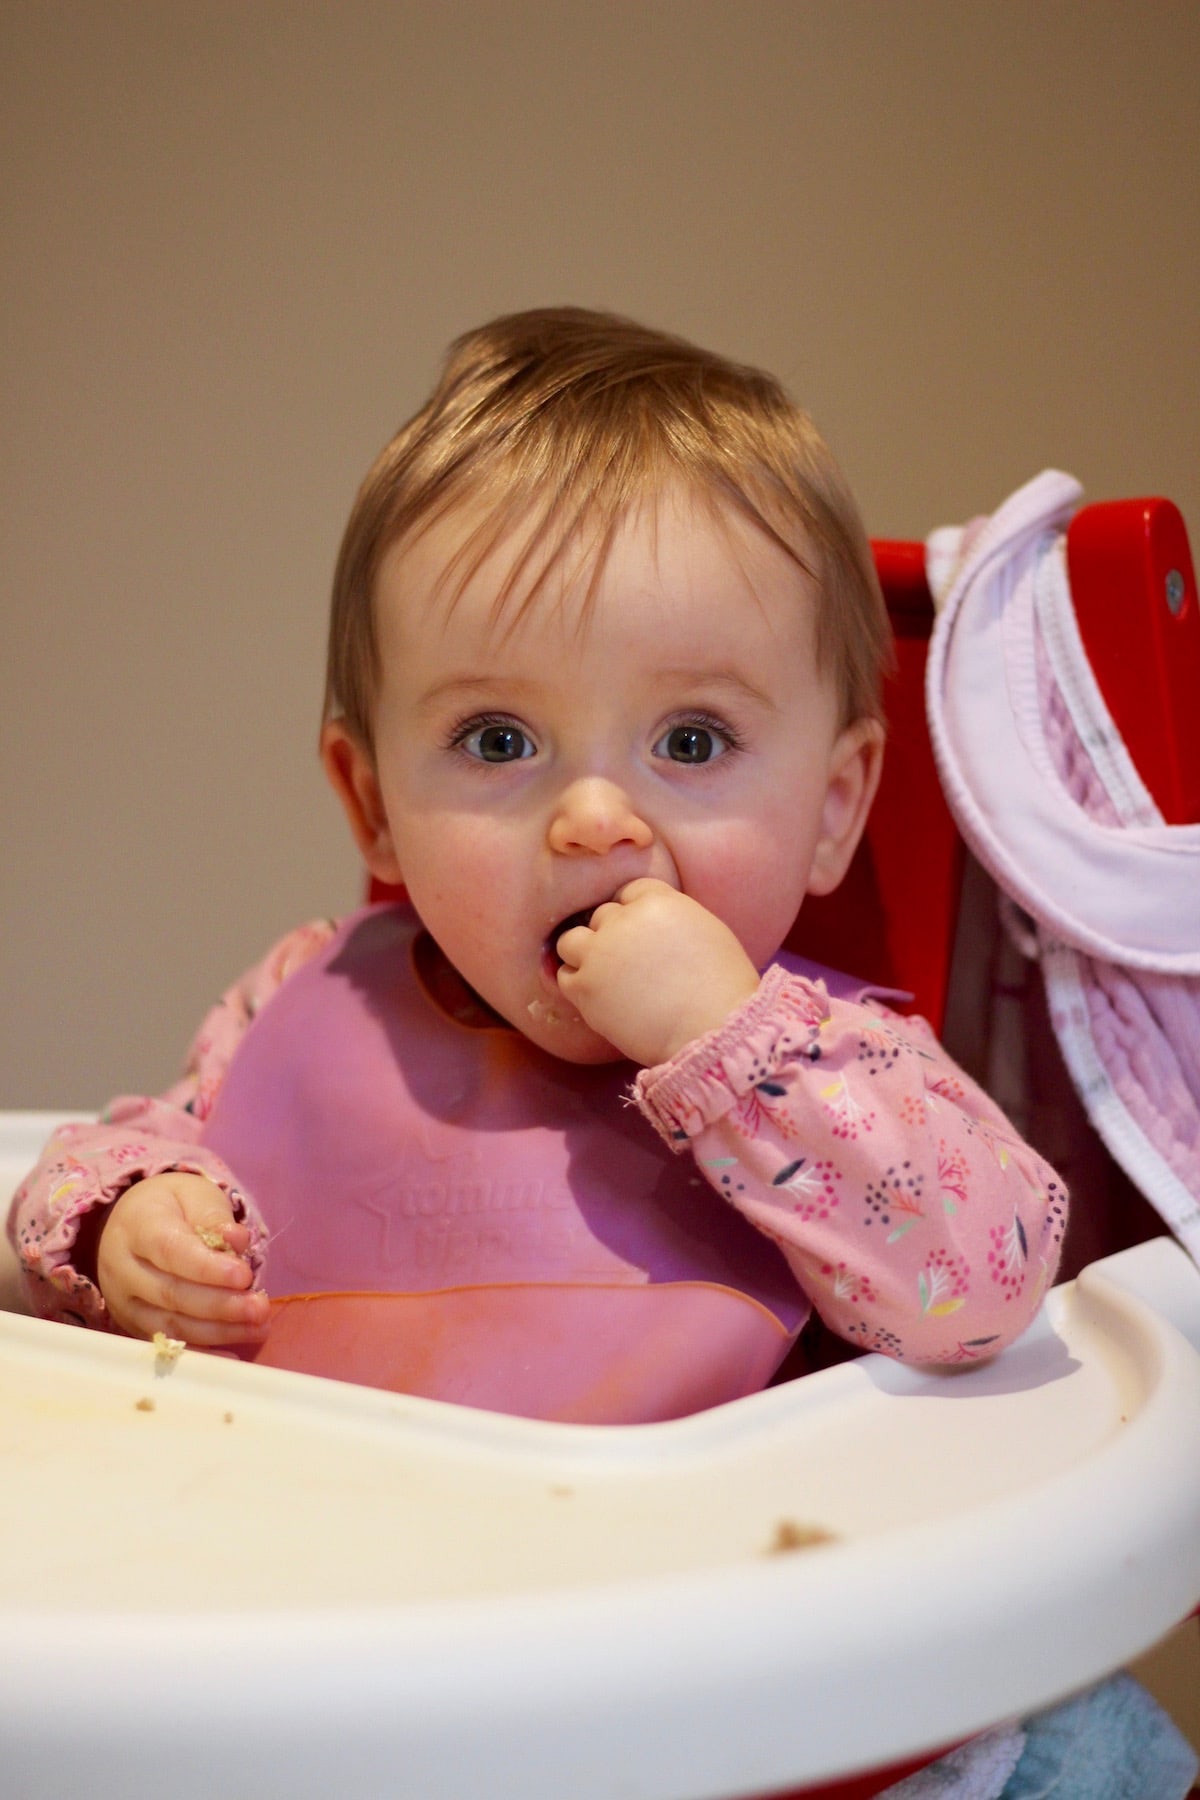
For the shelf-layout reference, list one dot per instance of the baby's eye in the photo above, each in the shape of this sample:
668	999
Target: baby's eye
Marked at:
693	743
498	742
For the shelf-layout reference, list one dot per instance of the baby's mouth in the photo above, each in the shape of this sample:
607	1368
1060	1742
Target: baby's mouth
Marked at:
550	954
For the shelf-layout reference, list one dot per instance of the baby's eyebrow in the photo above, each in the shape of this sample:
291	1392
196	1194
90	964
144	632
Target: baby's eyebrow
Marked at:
704	679
466	689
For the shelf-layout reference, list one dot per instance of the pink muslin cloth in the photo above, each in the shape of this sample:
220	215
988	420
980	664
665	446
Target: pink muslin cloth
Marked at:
1047	796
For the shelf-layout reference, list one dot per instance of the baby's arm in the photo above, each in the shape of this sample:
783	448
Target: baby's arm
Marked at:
58	1222
910	1211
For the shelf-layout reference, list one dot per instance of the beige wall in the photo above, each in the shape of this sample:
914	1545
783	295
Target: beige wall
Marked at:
237	236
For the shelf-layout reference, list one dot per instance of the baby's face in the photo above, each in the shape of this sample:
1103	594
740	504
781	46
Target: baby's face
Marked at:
529	767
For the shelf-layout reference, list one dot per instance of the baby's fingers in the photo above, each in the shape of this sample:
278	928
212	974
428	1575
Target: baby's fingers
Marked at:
573	946
178	1251
194	1311
222	1238
196	1239
236	1238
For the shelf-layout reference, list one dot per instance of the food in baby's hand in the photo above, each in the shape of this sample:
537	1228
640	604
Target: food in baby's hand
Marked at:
214	1239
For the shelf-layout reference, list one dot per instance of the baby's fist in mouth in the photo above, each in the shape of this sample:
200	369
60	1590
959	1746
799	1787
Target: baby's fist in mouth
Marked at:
652	970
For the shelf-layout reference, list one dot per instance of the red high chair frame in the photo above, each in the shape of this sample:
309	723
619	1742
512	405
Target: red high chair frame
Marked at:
1134	591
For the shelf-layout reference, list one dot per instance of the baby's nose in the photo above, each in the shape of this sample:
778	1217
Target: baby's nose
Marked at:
594	816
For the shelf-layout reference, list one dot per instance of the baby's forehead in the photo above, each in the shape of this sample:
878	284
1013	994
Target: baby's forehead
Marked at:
524	559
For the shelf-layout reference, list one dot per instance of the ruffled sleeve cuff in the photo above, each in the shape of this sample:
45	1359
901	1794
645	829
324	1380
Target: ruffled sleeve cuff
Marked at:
778	1025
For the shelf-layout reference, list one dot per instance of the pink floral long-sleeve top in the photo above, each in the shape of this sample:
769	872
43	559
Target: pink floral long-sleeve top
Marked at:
910	1213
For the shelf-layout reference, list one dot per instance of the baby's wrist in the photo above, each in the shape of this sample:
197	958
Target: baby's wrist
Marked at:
85	1252
709	1014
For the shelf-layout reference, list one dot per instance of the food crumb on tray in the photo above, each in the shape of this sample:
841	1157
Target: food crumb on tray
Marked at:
790	1536
167	1352
145	1404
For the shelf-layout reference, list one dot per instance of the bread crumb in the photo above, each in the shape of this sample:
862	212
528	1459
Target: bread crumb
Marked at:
560	1491
145	1404
544	1013
790	1536
167	1352
227	1418
214	1239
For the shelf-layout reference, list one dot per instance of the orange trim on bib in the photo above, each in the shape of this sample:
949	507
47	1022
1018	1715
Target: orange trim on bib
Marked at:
585	1353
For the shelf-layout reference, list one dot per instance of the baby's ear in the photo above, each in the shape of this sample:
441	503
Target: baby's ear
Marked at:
855	763
351	771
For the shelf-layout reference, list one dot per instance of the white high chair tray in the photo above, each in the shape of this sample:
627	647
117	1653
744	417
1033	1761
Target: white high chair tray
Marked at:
219	1579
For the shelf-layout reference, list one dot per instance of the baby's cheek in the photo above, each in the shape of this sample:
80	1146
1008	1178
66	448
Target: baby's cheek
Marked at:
759	905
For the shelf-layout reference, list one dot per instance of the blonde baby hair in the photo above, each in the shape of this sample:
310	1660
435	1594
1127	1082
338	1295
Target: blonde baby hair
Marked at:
562	419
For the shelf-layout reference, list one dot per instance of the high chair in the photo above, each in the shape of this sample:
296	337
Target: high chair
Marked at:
278	1584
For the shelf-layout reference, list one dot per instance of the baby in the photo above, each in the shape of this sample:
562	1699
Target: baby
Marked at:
560	1130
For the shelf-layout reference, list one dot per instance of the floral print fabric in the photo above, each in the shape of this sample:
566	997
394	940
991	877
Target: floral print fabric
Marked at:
911	1213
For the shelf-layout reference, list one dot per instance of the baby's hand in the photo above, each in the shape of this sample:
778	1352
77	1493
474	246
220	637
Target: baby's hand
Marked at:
652	970
158	1272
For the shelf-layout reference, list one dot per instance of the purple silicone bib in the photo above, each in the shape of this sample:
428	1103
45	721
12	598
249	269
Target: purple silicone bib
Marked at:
454	1213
